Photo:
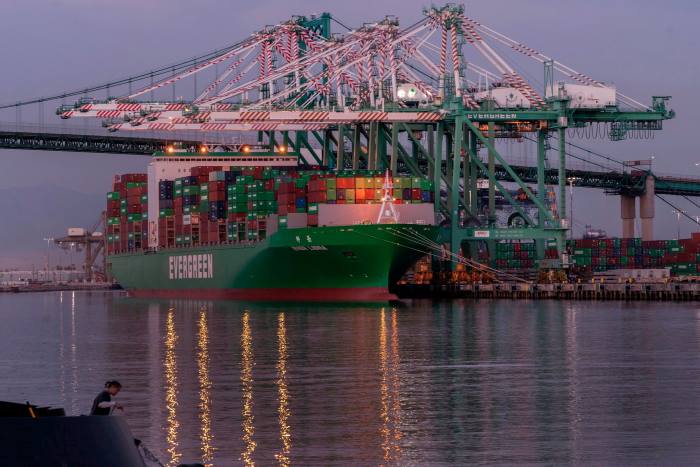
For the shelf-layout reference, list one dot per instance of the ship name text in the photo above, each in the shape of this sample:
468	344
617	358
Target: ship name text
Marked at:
191	267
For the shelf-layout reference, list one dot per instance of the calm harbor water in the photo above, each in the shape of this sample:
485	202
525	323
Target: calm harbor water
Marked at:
462	382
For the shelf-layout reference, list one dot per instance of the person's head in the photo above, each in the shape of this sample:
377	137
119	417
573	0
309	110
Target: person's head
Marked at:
113	387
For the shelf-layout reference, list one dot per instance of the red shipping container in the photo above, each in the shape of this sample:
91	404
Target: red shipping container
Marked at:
282	209
133	177
415	194
136	192
312	219
360	195
217	186
317	197
345	182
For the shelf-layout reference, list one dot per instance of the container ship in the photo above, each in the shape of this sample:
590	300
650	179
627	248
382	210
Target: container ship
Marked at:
258	226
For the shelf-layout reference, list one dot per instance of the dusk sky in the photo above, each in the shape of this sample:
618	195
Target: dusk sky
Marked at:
644	47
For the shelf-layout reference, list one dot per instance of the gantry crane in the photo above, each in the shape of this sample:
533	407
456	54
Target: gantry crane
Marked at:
92	241
432	99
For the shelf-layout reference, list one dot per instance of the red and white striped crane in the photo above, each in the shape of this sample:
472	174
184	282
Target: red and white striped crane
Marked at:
288	77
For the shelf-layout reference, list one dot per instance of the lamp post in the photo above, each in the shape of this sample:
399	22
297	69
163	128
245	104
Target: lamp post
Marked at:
571	181
48	250
678	213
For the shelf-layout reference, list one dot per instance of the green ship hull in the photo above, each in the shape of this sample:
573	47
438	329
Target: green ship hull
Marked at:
359	262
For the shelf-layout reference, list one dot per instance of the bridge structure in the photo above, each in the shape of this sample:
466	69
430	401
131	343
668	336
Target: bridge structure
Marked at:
439	99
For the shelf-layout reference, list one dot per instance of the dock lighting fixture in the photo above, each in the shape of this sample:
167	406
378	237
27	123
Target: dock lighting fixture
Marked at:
282	149
203	149
169	149
245	149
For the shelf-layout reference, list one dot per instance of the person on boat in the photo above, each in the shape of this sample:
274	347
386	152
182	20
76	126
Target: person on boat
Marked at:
103	403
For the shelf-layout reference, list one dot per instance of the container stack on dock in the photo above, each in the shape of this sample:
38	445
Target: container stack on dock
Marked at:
216	204
598	255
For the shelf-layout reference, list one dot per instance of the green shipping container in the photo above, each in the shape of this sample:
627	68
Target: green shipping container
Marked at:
232	189
113	195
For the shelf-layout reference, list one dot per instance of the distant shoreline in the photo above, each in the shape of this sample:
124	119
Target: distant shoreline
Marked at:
58	287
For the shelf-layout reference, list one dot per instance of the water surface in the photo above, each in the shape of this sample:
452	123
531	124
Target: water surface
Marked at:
465	382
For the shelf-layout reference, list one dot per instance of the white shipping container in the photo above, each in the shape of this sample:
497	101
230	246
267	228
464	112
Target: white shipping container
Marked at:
587	97
350	214
186	219
509	98
76	232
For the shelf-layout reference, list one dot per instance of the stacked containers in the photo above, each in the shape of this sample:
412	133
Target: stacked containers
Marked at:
602	254
515	255
216	205
127	214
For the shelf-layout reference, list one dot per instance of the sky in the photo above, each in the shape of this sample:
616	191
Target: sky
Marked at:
644	47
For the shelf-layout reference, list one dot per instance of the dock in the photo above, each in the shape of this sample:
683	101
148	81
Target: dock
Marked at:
581	291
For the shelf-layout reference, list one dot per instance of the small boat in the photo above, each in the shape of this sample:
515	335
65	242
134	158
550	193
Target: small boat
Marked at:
33	436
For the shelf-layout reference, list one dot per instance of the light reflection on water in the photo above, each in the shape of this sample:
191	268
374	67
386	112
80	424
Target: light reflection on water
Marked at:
206	436
482	382
283	393
171	389
247	391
